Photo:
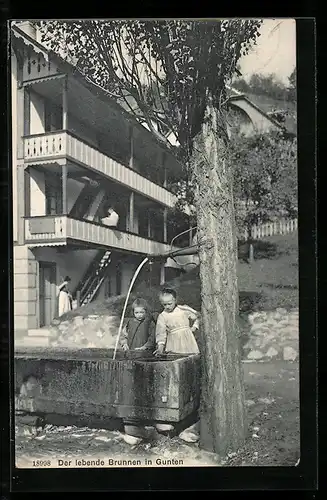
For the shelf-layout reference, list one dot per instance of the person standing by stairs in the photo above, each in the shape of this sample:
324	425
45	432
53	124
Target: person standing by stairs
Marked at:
64	297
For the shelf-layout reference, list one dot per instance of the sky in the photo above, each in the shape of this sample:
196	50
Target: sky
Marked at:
275	51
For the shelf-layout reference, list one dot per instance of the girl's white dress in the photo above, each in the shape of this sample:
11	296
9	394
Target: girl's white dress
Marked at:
64	302
173	329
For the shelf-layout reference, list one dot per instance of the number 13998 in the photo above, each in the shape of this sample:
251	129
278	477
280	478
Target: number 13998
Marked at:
41	463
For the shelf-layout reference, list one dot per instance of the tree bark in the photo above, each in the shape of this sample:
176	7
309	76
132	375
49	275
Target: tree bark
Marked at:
222	413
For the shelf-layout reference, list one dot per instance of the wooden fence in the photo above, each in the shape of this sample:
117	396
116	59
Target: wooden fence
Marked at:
283	226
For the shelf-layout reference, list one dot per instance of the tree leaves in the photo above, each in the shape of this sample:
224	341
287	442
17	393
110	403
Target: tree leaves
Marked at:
265	177
190	61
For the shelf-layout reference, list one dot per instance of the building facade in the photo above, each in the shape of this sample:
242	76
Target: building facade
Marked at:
75	152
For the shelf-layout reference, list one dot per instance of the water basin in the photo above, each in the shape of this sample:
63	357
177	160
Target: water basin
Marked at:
86	382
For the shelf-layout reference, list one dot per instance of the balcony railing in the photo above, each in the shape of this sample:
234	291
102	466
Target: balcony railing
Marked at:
57	230
51	146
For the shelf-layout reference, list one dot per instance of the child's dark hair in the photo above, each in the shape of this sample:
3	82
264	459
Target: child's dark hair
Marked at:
140	303
168	291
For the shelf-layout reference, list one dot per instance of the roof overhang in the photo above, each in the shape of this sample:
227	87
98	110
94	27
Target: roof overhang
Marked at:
29	42
44	79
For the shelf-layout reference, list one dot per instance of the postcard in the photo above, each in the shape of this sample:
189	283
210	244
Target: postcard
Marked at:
155	243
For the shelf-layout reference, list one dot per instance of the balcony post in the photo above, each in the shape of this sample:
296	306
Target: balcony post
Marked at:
64	105
21	119
165	225
131	211
64	173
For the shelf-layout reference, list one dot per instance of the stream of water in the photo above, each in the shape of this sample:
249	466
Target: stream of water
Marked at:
144	261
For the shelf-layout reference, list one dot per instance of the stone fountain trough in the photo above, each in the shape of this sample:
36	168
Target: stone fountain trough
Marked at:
88	382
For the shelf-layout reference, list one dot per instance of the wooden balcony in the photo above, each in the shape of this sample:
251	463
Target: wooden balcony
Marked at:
59	230
48	148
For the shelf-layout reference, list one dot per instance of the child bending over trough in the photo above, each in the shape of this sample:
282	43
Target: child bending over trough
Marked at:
175	333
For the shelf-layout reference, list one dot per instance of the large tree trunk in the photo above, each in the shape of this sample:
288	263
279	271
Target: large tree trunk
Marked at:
222	407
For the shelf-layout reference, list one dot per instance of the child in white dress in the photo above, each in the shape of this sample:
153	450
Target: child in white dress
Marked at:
175	333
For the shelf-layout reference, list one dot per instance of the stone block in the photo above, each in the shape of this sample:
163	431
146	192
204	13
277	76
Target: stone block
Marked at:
260	330
22	266
21	323
23	252
257	318
255	355
29	341
25	308
24	281
26	295
33	321
39	332
272	353
290	331
289	354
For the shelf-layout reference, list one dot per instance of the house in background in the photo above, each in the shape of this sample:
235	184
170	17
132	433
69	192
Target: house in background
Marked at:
246	117
75	152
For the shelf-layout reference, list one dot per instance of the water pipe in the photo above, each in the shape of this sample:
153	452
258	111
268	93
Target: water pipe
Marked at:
144	261
181	234
191	250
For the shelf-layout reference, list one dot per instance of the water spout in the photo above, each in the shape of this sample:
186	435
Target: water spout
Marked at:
144	261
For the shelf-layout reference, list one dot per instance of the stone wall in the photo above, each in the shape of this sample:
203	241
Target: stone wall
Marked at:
273	335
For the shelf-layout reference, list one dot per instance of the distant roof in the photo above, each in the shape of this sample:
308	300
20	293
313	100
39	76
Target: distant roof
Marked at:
273	110
277	109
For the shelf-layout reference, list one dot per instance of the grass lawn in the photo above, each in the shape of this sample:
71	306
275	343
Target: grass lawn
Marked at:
271	281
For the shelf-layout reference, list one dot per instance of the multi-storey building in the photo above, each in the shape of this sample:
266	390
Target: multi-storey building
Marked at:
75	152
